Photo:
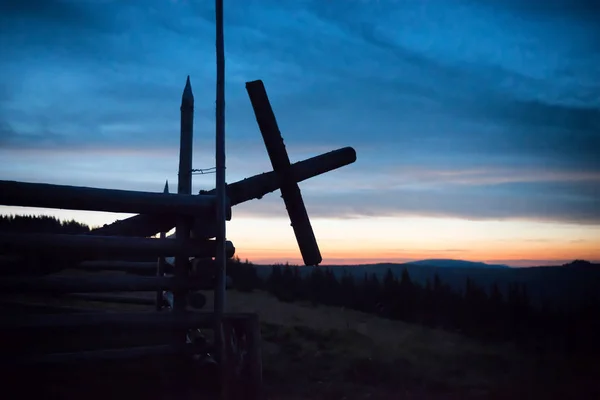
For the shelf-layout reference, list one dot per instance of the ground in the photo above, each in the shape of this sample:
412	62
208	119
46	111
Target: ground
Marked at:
333	353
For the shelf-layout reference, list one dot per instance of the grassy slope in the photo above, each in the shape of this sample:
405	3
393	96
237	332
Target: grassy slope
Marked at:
328	352
332	353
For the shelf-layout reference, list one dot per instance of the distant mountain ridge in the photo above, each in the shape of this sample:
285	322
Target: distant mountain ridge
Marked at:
452	263
564	285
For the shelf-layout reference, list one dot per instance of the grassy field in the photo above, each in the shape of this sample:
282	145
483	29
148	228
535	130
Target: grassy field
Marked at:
333	353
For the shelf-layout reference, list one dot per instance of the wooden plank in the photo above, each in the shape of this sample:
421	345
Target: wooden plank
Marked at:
257	186
104	247
24	194
290	192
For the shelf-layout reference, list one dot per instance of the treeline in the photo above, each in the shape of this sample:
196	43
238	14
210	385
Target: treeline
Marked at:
40	224
485	314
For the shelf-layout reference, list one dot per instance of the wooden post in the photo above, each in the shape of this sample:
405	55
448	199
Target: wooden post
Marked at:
160	264
184	186
220	187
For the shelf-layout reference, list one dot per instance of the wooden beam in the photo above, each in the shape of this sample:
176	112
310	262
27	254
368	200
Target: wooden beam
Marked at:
258	186
45	195
104	247
290	192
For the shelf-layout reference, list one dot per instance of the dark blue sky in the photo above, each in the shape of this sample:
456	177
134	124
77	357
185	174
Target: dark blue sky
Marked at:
486	109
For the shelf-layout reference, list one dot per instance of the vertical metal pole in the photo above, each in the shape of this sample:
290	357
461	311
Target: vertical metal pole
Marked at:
220	259
184	186
160	265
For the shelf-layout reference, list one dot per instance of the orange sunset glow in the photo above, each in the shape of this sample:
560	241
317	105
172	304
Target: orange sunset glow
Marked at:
394	239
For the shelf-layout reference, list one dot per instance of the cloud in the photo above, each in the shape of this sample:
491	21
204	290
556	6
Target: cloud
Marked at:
472	195
484	109
465	205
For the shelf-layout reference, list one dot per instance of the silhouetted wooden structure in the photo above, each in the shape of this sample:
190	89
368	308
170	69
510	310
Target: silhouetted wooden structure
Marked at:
127	246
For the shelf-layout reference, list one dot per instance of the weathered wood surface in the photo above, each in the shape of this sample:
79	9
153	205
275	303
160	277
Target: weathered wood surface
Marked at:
24	194
104	247
290	192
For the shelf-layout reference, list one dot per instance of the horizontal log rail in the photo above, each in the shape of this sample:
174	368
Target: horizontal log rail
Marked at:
9	306
98	284
151	320
44	195
112	298
106	354
130	267
105	247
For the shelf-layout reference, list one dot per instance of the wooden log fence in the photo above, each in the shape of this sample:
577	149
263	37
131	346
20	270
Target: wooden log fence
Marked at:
125	246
